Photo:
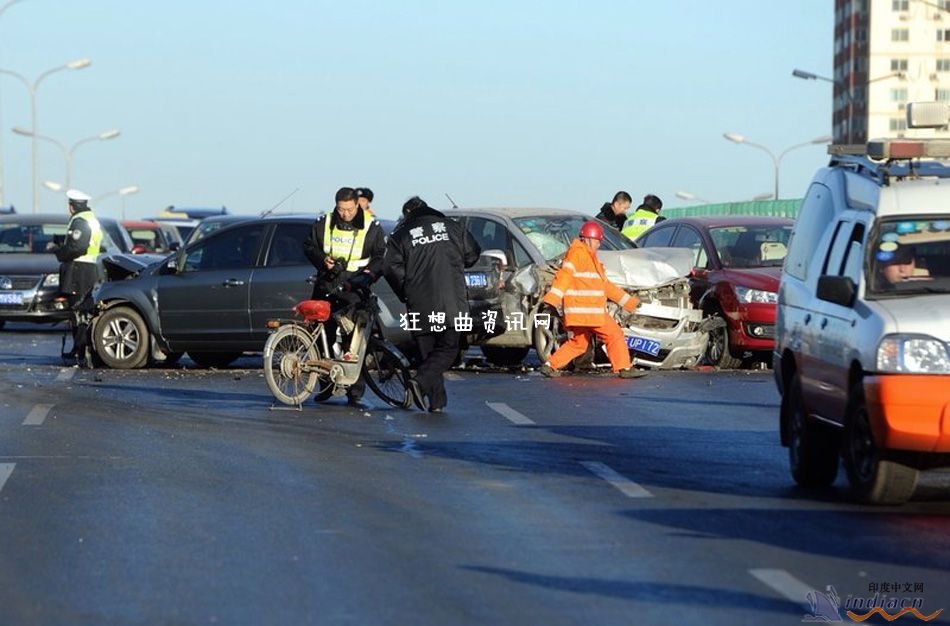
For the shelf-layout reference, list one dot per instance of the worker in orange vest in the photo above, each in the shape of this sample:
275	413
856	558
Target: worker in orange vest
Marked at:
583	288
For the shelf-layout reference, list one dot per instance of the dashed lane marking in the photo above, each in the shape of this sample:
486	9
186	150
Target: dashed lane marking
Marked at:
785	585
5	470
510	414
38	415
621	483
66	374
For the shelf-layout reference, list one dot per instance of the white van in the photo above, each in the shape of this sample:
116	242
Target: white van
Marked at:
862	355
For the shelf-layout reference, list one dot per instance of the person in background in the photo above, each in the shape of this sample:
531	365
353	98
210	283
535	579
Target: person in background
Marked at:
646	215
347	247
426	257
364	196
581	285
615	211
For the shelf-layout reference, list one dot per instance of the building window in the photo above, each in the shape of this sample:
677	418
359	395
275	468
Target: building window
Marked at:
943	65
943	34
898	65
900	34
900	5
942	95
898	95
898	124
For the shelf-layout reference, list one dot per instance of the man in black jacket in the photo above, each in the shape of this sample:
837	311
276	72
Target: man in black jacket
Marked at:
426	259
347	246
615	211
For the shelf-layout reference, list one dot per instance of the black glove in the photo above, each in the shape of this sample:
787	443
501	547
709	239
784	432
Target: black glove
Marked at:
359	281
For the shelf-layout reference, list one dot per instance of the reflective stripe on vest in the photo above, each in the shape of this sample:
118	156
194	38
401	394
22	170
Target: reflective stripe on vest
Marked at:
95	238
638	223
347	244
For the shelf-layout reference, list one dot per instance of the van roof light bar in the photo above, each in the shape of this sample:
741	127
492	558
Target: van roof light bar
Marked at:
884	149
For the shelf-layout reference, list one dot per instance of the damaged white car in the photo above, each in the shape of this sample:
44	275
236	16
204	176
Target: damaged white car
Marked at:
522	249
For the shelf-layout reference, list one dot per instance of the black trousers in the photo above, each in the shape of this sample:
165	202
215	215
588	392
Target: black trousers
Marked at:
438	352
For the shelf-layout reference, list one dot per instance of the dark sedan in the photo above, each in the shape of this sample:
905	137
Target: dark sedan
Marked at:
737	270
29	274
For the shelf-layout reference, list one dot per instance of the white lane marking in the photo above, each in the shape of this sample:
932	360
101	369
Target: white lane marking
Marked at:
622	483
37	415
785	585
452	376
5	470
509	413
66	374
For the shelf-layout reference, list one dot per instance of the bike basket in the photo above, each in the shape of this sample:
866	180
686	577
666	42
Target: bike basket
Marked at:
313	310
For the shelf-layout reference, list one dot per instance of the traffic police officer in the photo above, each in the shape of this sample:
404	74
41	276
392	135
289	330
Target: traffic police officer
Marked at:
646	215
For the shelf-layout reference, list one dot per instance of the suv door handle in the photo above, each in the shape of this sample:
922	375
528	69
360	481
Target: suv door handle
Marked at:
233	282
824	323
807	318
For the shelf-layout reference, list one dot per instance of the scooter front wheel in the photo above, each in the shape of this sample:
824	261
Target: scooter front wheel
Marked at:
285	354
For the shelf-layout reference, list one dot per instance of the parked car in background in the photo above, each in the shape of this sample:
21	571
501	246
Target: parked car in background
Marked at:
151	237
7	210
117	232
211	224
737	267
186	219
29	273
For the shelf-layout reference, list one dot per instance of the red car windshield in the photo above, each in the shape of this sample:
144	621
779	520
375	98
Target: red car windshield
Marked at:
751	246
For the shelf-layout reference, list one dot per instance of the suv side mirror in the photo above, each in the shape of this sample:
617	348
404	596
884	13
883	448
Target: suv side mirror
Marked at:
839	290
498	255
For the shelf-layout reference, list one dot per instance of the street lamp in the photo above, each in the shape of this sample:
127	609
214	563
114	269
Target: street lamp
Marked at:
3	9
78	64
68	153
124	191
776	161
690	197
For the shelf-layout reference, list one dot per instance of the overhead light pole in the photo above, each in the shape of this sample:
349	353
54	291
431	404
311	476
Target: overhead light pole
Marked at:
124	192
690	197
68	152
32	88
776	160
3	9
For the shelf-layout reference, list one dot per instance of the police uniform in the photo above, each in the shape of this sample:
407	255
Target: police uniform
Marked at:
638	223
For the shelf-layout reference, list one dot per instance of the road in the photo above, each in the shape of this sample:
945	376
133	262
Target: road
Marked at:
177	496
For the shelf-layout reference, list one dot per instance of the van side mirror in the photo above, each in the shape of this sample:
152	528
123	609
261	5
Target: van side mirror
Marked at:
839	290
498	255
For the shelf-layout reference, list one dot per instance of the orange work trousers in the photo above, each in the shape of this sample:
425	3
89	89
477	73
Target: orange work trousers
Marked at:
610	333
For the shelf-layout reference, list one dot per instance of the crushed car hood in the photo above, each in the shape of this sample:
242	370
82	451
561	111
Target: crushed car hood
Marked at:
122	266
647	267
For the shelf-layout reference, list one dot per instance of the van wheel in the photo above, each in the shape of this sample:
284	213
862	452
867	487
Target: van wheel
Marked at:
121	338
717	348
812	448
874	479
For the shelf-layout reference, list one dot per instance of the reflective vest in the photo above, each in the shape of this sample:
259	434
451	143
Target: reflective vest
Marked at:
582	285
346	244
637	223
95	239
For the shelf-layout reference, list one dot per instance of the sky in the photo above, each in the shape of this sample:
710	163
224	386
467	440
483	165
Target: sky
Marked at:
547	103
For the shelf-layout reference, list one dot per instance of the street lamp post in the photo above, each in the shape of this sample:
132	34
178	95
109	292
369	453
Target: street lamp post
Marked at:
776	160
68	152
124	191
78	64
3	9
690	197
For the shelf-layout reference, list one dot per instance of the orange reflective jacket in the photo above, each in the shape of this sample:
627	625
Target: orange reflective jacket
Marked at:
584	288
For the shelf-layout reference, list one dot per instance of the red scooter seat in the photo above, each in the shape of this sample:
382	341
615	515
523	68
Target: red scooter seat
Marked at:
313	310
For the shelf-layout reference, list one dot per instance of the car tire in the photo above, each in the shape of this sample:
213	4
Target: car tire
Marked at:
121	338
505	356
813	449
215	360
717	348
874	479
548	340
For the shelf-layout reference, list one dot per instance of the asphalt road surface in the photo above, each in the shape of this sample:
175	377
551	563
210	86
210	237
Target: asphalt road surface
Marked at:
177	496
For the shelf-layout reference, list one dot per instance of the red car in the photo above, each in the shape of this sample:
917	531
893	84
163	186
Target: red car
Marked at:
738	267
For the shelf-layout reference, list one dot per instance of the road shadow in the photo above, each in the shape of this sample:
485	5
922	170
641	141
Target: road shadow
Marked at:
653	592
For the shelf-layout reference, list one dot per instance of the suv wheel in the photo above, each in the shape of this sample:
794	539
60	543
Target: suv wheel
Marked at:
548	340
121	338
812	448
874	479
717	348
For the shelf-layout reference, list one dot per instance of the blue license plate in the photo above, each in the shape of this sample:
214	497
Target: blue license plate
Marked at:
477	279
11	298
647	346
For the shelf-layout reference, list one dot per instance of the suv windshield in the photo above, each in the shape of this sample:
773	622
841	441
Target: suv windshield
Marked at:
910	256
553	234
751	246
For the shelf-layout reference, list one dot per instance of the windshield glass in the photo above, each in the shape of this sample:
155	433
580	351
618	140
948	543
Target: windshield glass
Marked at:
553	234
751	246
29	238
910	257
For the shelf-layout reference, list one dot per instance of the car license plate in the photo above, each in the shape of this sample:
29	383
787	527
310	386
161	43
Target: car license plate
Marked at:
477	279
647	346
11	298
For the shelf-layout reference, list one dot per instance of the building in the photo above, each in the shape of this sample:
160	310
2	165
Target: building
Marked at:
888	53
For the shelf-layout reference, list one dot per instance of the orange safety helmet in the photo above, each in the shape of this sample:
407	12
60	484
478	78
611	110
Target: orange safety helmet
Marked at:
592	230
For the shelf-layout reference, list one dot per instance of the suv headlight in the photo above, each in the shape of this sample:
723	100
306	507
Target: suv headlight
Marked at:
756	296
915	354
51	280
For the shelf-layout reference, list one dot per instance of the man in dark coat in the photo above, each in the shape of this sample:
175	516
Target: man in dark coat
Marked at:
614	213
347	246
426	259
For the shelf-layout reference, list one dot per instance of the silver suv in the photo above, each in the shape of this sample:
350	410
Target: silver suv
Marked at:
862	354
